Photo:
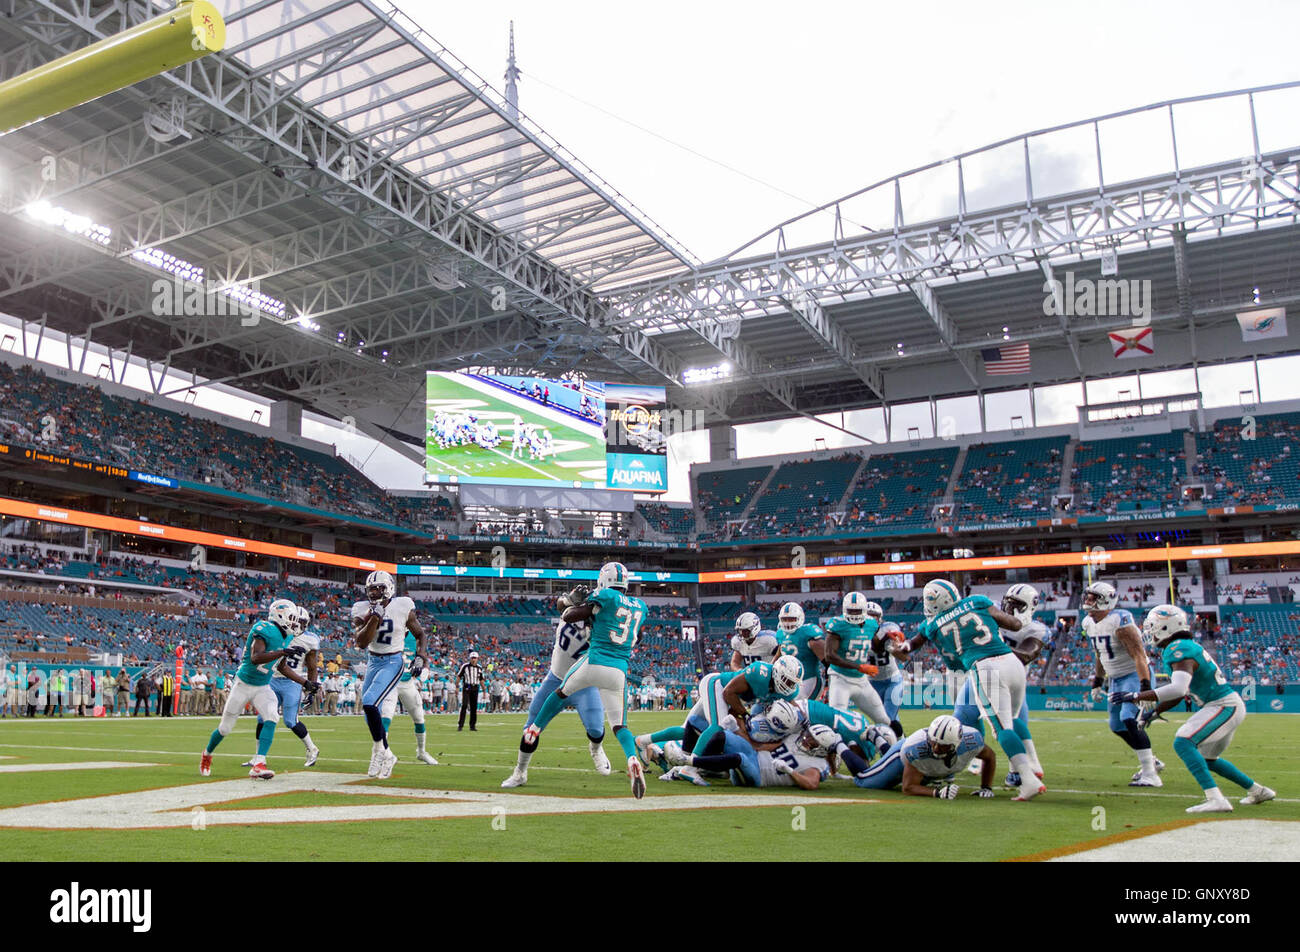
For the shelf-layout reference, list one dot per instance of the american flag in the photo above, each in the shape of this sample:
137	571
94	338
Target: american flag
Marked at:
1007	359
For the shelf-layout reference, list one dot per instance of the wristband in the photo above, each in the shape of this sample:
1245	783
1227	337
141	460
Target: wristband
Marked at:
1096	681
1145	684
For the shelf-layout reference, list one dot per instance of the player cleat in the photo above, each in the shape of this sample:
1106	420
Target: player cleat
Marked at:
1146	780
376	758
1214	802
312	754
205	765
600	760
516	779
674	754
248	763
1258	794
685	773
637	774
386	764
652	753
1160	767
1029	789
261	772
424	757
1012	780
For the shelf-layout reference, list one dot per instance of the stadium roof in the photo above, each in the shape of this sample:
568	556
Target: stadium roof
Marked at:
397	214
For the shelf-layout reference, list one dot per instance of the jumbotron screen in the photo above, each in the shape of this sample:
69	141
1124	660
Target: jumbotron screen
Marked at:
536	431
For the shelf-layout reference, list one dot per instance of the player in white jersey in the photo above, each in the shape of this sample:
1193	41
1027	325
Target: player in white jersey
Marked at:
888	679
571	643
801	760
304	663
751	643
380	624
408	692
924	764
1122	660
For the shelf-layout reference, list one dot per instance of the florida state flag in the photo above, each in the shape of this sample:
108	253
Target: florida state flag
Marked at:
1133	342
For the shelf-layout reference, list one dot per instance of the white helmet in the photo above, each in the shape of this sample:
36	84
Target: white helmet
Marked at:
783	717
944	731
1103	595
283	613
612	575
382	581
875	611
819	740
790	618
854	608
303	621
938	596
748	626
1025	595
787	674
1163	624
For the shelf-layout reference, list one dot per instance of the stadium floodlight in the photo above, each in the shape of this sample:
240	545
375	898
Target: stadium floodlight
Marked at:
59	217
698	375
175	38
157	258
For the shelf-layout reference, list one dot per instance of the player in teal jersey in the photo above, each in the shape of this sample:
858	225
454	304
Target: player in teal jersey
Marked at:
967	629
614	619
806	642
267	645
1207	733
848	646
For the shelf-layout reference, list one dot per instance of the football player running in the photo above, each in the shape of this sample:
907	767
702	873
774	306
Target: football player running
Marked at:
806	642
289	688
1121	659
1020	602
751	642
888	680
967	630
267	644
925	763
614	618
571	643
1205	735
849	639
408	692
380	624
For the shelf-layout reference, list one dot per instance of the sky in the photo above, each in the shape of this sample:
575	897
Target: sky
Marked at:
718	120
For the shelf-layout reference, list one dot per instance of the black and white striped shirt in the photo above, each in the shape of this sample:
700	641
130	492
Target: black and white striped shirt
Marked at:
470	674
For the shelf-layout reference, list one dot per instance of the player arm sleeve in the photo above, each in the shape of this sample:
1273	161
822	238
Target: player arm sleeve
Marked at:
1180	682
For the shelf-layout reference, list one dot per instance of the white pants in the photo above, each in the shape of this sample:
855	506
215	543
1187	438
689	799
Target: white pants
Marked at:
859	692
808	688
409	695
260	696
610	684
999	689
1211	728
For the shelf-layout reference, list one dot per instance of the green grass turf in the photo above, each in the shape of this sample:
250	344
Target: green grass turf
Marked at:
480	463
1086	766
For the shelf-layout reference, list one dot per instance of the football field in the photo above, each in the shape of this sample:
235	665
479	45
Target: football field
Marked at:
129	789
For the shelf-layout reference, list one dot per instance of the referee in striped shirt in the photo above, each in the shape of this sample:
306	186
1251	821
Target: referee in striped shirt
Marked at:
470	677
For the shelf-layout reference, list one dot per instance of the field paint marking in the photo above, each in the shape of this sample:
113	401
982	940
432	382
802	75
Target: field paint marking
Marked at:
171	807
1205	842
79	765
1148	792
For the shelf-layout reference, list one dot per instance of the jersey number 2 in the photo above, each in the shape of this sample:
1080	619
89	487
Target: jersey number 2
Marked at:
384	634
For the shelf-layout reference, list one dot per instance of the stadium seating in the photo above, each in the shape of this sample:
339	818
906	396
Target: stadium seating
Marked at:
1238	471
898	490
1129	473
800	497
1008	480
675	521
725	494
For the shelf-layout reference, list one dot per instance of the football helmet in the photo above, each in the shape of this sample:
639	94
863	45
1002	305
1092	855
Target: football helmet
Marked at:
303	620
783	717
1021	600
613	575
819	740
787	674
875	611
283	613
1163	624
748	626
790	618
944	731
1100	597
380	585
854	608
938	596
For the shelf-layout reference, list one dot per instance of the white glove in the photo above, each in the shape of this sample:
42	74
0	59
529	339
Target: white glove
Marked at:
947	792
1098	694
984	793
781	767
728	723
